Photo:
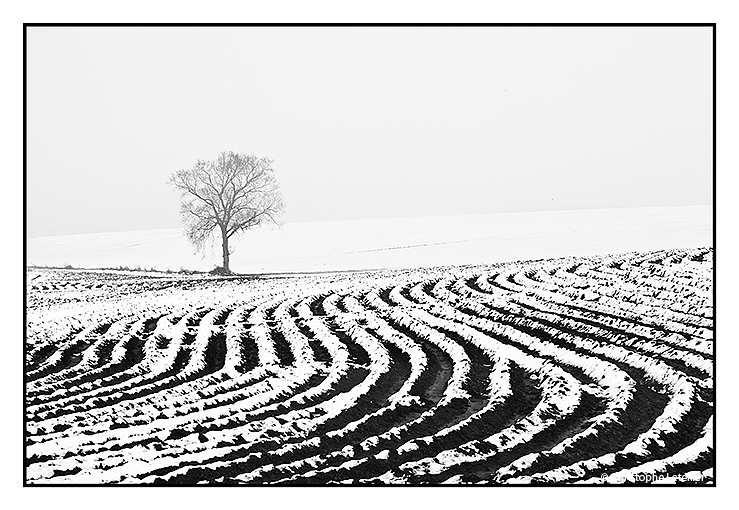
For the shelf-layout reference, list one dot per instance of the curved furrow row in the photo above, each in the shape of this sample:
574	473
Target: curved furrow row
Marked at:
257	405
577	368
615	288
646	316
106	356
362	363
540	329
679	416
414	411
660	345
218	394
172	353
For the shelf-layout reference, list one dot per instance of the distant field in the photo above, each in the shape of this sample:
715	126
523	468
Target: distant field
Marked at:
594	369
395	242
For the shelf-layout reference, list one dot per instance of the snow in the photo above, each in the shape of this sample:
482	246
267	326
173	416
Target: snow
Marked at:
394	242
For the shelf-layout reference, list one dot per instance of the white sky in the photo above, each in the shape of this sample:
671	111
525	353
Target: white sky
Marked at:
367	122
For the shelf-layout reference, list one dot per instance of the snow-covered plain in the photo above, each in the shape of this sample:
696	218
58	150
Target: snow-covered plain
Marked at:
573	370
394	242
500	364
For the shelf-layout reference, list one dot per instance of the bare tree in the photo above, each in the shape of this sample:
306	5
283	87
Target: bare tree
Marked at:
228	195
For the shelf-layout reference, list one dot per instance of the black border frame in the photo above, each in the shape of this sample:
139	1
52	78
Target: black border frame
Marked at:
534	25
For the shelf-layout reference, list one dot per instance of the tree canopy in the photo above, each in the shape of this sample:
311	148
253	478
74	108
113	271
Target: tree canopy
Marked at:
230	194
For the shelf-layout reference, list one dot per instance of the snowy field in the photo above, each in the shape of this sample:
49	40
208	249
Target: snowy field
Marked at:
394	243
576	370
534	348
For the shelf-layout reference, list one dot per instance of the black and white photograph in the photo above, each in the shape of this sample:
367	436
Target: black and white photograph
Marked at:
369	255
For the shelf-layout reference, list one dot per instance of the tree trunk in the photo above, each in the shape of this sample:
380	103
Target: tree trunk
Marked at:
225	251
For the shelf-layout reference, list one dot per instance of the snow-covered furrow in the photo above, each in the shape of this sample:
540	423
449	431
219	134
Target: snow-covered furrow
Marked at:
634	309
195	393
340	358
606	381
220	397
587	313
677	464
92	357
681	397
399	442
681	392
497	393
292	450
158	368
308	419
222	387
654	302
670	351
395	404
95	365
561	395
614	281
